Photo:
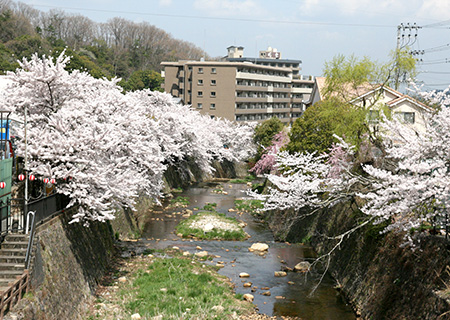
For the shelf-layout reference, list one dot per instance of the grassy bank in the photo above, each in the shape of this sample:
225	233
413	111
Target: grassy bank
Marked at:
169	286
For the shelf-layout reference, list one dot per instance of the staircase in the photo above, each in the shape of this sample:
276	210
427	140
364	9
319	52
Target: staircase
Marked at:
12	259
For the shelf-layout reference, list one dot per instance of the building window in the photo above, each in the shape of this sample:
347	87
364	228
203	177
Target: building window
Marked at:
213	94
213	70
213	82
200	82
406	117
212	106
199	106
200	70
200	94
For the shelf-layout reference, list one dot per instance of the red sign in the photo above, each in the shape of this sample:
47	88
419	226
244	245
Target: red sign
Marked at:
21	177
45	180
32	177
2	185
53	181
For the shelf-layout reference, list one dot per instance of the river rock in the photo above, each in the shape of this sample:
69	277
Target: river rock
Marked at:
302	266
258	247
244	275
247	285
201	254
208	227
136	316
248	297
280	274
198	248
122	279
266	293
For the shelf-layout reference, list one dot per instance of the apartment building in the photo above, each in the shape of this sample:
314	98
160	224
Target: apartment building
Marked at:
241	89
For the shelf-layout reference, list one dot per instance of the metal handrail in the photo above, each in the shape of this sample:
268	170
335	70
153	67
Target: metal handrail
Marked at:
31	237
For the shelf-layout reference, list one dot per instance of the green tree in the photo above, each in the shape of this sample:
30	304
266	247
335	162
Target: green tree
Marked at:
314	130
143	79
404	67
264	133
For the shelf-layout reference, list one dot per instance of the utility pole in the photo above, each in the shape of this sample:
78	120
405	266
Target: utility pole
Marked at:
404	39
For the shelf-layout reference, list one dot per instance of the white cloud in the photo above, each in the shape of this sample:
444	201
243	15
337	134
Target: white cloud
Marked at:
435	9
165	3
359	7
229	7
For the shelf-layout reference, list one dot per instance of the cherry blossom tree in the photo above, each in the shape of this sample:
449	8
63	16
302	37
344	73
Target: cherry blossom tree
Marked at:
409	188
268	159
104	147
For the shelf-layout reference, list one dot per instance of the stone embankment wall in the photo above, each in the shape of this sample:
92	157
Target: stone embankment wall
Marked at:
69	261
380	277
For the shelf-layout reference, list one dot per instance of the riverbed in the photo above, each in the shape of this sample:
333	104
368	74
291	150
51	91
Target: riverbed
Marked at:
289	296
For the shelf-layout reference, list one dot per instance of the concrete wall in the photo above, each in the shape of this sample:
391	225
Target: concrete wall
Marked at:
382	279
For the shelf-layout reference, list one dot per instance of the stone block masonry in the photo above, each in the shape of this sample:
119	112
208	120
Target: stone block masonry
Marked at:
70	259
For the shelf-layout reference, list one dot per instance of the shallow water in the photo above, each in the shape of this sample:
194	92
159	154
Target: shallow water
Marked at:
325	304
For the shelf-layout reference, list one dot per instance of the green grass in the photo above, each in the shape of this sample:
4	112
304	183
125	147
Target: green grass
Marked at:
179	202
248	178
251	206
189	291
184	227
210	206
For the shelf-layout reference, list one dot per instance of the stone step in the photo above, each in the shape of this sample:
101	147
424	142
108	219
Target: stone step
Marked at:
17	237
12	266
13	252
14	245
7	282
12	259
7	274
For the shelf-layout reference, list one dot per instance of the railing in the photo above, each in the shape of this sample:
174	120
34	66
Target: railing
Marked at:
13	219
30	238
14	294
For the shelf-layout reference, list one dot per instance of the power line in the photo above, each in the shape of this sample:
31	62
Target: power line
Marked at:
222	18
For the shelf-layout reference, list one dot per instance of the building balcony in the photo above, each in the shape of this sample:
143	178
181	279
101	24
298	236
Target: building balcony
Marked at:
262	77
296	100
301	90
253	99
250	111
251	88
281	100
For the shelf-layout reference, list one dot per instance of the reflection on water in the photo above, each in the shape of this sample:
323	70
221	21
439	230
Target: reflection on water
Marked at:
289	296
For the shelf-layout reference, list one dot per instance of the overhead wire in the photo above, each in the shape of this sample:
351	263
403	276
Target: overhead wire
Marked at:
322	23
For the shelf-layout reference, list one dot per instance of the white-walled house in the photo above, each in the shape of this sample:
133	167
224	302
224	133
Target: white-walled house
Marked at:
408	110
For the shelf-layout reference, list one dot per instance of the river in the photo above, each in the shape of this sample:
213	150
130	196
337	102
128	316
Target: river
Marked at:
290	295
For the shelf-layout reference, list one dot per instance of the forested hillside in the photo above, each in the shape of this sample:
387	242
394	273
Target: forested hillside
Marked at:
119	47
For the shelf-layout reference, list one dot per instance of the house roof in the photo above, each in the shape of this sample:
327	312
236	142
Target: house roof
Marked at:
365	90
400	97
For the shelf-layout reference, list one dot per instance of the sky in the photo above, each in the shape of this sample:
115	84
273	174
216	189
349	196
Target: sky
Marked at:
313	31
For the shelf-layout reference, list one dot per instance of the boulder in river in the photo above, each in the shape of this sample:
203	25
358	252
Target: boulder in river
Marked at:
201	254
258	247
248	297
302	266
244	275
280	274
